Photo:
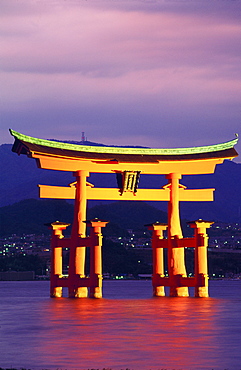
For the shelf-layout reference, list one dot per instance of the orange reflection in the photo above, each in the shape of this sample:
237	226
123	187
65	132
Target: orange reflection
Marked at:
137	334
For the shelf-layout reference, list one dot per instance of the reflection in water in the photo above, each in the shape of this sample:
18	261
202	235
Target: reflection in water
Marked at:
132	333
146	333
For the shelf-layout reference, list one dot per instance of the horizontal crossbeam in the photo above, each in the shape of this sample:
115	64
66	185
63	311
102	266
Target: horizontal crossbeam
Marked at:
59	192
181	281
65	282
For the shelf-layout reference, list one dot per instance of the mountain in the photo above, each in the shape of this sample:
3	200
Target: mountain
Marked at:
227	196
20	177
29	216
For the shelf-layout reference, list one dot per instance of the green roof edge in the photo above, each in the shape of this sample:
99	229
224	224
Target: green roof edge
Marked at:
123	150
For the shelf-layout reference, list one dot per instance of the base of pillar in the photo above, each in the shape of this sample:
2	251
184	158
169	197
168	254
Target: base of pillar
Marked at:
80	292
56	292
201	292
179	292
159	291
96	292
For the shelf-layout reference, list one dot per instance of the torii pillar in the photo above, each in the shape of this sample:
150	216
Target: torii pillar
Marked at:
176	258
56	257
201	263
157	257
77	253
96	257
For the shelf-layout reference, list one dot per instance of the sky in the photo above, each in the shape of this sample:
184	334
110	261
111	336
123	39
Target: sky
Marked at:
155	73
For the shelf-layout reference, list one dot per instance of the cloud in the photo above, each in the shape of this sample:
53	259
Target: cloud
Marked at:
159	72
113	42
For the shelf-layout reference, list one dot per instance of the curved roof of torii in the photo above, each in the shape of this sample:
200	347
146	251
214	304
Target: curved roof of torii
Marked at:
28	145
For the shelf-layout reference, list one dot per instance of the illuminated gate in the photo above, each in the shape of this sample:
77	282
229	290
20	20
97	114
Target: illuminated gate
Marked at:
128	164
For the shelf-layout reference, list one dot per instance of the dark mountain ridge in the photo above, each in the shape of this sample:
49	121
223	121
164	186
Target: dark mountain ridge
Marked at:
29	216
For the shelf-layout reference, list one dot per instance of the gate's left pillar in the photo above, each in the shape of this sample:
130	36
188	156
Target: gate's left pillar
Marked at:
157	257
78	253
56	257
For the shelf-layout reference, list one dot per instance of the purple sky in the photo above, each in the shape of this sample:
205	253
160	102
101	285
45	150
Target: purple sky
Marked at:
154	73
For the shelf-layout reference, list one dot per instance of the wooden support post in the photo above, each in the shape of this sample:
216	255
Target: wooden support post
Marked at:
56	257
77	254
157	257
96	257
176	261
201	263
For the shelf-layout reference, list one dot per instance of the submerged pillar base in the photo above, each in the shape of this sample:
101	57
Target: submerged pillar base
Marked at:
176	288
95	286
80	292
179	291
201	292
96	292
201	289
56	292
159	291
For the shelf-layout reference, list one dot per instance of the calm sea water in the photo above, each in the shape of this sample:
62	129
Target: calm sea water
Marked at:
126	329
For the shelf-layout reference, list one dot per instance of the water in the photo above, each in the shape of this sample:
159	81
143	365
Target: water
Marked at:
126	329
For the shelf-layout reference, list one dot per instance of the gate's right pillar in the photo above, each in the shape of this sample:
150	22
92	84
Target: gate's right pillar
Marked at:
201	262
96	257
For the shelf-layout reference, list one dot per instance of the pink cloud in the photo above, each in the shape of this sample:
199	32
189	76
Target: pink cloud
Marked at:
156	65
111	42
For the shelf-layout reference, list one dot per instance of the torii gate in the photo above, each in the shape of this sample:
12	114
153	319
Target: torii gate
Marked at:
128	164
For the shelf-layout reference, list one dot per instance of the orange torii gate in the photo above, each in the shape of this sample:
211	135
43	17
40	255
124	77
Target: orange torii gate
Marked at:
128	164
